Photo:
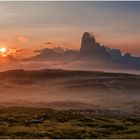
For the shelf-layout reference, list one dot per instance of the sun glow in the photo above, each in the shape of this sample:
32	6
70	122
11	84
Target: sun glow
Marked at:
3	52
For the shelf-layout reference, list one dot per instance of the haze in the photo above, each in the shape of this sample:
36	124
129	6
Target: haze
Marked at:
29	25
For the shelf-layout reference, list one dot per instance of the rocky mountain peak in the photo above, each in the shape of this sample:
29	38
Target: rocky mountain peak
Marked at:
91	48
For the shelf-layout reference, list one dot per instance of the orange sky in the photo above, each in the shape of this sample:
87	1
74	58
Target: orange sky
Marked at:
28	25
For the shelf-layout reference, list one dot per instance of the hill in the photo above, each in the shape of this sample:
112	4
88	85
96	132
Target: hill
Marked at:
69	89
57	73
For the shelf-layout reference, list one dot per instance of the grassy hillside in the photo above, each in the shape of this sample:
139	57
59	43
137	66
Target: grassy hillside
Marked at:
57	73
73	79
57	88
27	123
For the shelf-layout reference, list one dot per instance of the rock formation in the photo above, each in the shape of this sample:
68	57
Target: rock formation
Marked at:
91	48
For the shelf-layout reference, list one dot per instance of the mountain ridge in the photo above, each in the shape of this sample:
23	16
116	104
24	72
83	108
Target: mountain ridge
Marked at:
56	73
90	52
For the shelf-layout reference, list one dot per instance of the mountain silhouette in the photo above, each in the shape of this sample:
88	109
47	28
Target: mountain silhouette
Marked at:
91	48
91	52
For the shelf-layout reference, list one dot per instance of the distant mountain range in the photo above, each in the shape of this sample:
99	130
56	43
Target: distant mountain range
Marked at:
90	52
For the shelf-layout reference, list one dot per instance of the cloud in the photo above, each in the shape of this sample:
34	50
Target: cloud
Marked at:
22	39
38	51
48	43
19	50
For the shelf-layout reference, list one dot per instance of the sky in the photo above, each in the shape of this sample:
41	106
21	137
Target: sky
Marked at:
34	25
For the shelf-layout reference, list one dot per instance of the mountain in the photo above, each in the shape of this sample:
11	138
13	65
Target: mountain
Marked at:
128	58
91	48
91	55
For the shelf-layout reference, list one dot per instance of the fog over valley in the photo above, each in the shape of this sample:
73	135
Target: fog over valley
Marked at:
64	89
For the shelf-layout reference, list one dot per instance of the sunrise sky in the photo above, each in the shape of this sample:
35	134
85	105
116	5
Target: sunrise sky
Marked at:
32	25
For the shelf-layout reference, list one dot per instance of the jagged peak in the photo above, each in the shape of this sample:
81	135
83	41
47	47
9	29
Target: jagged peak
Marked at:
88	35
91	48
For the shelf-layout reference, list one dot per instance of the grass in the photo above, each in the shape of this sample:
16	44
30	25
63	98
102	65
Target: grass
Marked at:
17	123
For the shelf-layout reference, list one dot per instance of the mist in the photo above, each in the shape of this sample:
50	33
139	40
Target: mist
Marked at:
70	90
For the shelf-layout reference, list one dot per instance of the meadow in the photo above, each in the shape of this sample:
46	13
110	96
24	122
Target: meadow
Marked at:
38	123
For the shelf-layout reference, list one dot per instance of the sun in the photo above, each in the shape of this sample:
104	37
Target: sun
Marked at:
9	52
3	52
